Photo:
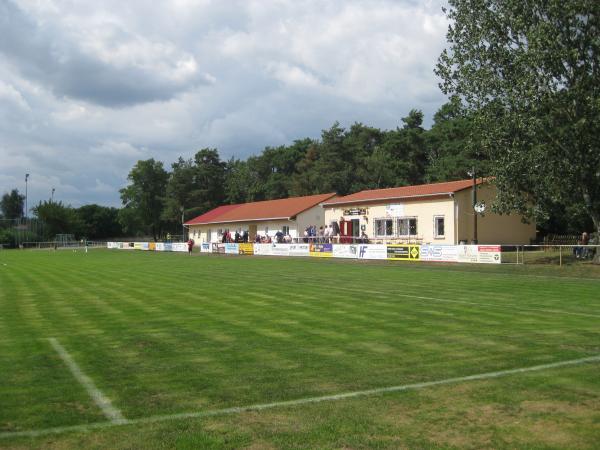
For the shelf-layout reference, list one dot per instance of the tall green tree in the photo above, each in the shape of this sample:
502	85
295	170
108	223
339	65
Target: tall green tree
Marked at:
451	151
99	222
145	195
58	219
529	72
12	205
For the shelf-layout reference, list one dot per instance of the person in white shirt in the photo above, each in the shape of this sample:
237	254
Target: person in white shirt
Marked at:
327	234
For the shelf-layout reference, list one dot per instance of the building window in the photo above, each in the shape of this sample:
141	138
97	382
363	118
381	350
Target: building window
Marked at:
285	230
407	226
384	227
439	226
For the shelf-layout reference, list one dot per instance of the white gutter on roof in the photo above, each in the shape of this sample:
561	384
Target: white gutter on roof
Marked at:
390	198
242	220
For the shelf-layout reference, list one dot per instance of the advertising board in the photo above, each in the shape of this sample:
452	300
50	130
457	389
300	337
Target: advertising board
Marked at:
179	247
246	249
145	246
218	248
159	246
299	249
321	250
404	252
345	251
467	253
205	247
280	249
441	253
262	249
372	251
232	249
152	246
489	254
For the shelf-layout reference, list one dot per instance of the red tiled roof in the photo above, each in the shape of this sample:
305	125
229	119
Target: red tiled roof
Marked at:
284	208
422	190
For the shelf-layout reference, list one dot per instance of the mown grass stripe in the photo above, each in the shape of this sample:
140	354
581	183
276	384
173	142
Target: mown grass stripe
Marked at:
297	402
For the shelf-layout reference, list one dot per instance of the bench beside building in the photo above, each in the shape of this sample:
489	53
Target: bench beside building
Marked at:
438	213
289	215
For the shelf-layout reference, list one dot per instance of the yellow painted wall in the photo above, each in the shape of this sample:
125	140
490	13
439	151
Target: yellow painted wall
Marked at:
423	210
491	228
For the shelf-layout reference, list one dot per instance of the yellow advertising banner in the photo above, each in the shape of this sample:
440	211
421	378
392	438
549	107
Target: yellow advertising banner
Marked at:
246	249
152	246
404	252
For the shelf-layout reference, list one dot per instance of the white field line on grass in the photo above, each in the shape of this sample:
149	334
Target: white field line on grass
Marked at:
465	302
300	401
111	413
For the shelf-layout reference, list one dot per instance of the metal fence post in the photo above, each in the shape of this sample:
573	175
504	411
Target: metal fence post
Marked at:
560	255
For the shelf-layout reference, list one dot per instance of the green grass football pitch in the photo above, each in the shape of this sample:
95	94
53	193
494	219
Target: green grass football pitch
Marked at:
118	349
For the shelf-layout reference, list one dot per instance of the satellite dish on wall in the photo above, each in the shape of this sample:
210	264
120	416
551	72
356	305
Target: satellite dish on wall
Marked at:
479	207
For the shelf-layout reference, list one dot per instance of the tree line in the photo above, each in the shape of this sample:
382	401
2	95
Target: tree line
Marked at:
342	160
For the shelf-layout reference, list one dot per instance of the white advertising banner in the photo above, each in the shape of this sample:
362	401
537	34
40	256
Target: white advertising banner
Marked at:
205	247
232	249
179	247
280	249
262	249
372	251
467	253
443	253
345	251
490	254
299	249
159	246
145	246
112	245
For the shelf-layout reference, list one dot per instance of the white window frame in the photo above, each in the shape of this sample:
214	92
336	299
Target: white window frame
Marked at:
285	229
436	235
385	219
409	218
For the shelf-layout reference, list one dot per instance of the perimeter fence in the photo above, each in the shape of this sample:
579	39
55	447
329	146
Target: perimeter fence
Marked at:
550	254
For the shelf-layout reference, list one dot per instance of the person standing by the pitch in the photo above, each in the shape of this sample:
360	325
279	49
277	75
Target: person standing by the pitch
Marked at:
190	244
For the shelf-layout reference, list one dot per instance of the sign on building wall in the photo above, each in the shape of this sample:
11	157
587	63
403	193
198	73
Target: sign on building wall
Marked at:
396	210
355	212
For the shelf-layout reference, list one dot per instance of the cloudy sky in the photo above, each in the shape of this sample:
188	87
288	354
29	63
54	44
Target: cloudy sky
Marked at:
87	88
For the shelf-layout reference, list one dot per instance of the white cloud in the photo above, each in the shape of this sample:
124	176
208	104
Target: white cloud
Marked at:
88	88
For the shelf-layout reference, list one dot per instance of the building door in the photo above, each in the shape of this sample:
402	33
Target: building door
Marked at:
355	229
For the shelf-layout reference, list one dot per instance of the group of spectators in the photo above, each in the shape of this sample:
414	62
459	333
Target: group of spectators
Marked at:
278	238
582	251
236	238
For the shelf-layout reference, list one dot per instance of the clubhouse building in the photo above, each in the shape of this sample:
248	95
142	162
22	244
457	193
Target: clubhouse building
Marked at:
438	213
289	216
